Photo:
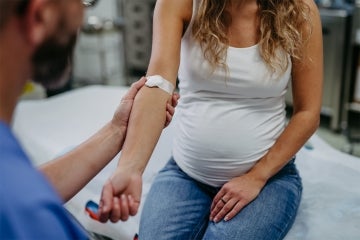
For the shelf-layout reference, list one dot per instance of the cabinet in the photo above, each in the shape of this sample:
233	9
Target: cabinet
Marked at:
138	36
334	24
352	110
352	131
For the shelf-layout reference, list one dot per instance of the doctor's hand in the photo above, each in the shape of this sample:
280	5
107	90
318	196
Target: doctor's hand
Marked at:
234	196
122	113
120	197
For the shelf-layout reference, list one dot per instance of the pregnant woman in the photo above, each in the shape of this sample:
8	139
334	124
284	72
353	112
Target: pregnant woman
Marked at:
232	174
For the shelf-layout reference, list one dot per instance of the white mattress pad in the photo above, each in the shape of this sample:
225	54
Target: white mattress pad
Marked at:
330	208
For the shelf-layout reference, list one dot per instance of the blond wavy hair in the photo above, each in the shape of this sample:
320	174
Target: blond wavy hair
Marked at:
282	25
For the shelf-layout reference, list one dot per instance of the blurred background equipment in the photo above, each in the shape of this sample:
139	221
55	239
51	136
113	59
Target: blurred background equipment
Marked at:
99	54
114	48
138	35
107	35
351	122
115	44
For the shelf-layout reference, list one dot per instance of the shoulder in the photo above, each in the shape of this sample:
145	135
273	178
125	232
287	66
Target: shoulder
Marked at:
313	22
20	178
29	203
181	8
313	8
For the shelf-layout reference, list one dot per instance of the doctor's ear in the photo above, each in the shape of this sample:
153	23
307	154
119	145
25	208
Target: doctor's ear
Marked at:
40	19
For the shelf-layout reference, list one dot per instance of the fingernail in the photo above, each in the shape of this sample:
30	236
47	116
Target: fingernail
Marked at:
226	219
216	220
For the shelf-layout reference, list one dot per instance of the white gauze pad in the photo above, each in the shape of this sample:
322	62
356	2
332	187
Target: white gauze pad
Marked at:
160	82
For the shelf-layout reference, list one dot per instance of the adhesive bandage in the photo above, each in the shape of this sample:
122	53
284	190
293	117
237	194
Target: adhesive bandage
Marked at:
160	82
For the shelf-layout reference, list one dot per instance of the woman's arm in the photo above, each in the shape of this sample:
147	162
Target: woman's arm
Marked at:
72	171
307	79
121	194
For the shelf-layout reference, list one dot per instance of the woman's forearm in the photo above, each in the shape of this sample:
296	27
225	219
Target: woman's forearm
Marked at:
300	128
145	126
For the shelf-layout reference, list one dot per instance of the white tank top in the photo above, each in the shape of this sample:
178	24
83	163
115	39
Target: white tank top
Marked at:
226	124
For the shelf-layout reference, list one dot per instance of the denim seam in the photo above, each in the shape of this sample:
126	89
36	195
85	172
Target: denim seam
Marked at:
199	228
283	232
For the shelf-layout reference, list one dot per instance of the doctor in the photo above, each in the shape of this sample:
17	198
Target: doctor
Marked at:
37	38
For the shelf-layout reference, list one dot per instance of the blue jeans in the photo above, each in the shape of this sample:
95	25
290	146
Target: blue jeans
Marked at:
178	207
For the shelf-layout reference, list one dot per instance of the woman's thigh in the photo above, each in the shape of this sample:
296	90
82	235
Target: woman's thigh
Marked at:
175	208
269	216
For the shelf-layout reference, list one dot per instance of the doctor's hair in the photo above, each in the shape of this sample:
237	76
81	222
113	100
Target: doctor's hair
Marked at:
284	24
10	7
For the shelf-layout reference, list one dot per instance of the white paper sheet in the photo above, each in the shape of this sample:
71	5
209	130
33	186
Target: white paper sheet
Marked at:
330	208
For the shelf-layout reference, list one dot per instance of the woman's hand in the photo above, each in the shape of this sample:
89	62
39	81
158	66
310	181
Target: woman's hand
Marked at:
120	197
234	196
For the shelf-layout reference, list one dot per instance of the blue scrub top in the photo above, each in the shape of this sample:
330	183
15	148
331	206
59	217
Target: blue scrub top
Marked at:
29	207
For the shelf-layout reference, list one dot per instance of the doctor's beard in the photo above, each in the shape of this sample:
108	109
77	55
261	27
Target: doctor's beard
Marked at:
52	62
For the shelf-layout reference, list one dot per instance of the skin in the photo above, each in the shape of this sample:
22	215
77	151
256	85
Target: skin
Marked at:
170	19
22	35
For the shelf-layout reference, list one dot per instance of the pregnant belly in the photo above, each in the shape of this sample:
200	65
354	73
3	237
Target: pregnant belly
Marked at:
234	135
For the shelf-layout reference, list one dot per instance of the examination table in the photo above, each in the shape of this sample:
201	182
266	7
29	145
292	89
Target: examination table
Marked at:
330	207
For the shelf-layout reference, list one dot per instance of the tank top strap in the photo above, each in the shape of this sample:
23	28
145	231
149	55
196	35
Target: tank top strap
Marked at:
195	7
